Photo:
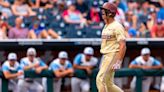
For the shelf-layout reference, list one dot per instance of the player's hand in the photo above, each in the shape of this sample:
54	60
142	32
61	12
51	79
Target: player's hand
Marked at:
70	71
117	65
38	70
146	67
89	71
20	73
36	65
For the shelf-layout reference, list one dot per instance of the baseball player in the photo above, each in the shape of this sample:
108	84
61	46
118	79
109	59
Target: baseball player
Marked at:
113	47
31	63
145	61
12	65
62	68
83	61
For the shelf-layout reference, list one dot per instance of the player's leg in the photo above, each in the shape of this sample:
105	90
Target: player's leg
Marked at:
109	74
57	85
162	85
99	79
75	84
85	86
23	86
105	77
36	87
146	84
44	83
133	85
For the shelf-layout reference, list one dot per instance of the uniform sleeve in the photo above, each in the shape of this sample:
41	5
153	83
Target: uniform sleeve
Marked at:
5	68
69	66
120	34
42	63
54	67
77	59
156	62
134	62
20	69
22	63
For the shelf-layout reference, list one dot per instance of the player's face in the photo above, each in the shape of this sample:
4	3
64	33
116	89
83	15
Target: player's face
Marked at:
88	57
146	57
12	62
31	57
62	60
103	14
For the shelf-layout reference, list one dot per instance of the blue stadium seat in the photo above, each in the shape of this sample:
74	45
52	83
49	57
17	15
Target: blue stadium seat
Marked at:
11	20
93	33
74	32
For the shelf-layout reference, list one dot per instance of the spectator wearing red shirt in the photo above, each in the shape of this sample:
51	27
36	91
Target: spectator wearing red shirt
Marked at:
3	29
73	16
94	15
158	30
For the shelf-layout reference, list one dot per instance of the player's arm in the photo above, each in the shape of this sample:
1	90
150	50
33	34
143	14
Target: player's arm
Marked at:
9	75
77	61
122	51
120	35
58	73
157	64
42	66
135	66
80	67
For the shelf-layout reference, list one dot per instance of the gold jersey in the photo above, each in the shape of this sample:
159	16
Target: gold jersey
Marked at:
111	35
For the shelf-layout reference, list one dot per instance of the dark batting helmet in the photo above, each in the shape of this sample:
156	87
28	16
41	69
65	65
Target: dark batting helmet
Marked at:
109	8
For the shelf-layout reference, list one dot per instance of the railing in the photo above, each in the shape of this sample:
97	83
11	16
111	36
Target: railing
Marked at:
139	73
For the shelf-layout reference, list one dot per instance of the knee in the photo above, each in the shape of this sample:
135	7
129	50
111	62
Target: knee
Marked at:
40	89
86	88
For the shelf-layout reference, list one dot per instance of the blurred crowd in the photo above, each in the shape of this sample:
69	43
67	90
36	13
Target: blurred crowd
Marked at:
51	19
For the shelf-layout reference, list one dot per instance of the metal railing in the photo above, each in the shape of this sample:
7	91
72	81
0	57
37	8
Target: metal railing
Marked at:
139	73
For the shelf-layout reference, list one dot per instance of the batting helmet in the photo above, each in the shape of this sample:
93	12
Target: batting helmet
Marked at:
109	8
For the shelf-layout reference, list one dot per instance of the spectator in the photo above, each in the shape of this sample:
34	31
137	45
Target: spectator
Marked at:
120	15
158	29
143	31
43	4
41	32
93	15
160	14
82	7
10	66
61	68
152	18
31	63
19	8
145	61
87	63
3	29
18	32
5	8
73	16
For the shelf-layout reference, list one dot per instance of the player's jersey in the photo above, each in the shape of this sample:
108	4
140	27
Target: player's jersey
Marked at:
56	65
80	60
140	61
26	62
6	67
111	35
